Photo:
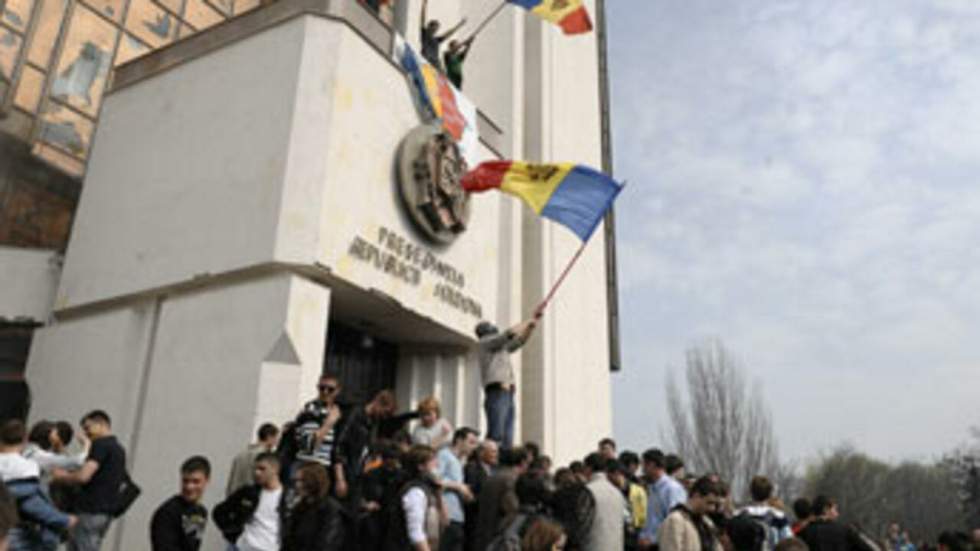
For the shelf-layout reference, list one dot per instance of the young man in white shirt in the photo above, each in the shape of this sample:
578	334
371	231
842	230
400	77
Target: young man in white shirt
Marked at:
251	517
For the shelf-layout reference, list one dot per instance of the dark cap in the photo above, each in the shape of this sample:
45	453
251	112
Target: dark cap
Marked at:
485	328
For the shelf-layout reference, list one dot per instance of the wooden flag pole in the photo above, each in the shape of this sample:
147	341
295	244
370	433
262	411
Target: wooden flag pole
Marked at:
488	20
539	311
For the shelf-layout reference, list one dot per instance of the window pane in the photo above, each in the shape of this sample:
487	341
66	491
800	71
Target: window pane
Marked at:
29	89
9	48
130	48
46	32
58	158
201	15
85	61
150	23
17	13
66	129
112	9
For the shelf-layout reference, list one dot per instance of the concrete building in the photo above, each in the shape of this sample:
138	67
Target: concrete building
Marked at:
240	231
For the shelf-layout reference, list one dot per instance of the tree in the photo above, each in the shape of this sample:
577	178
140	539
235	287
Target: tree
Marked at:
964	464
722	427
872	494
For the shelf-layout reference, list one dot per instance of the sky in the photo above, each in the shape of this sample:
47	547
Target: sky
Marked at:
803	185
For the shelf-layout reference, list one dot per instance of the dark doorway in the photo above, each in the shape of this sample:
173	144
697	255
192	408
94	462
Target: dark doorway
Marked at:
15	343
364	364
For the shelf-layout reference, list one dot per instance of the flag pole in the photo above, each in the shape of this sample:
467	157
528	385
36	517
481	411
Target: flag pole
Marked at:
488	20
539	311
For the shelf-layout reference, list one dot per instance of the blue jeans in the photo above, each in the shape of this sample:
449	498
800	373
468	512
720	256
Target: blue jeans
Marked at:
89	532
499	405
31	540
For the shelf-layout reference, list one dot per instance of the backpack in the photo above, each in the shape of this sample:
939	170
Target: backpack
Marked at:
748	533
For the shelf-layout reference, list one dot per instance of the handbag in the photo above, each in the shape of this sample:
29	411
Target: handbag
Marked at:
129	491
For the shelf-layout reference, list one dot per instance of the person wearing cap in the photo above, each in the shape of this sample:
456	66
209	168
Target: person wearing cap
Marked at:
499	382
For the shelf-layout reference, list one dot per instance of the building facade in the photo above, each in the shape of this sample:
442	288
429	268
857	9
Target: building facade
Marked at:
239	230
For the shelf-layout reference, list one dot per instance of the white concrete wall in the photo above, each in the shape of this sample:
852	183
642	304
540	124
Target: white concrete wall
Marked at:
371	113
186	176
568	365
29	279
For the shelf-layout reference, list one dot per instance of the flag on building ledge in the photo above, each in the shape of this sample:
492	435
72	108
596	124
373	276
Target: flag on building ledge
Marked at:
570	15
575	196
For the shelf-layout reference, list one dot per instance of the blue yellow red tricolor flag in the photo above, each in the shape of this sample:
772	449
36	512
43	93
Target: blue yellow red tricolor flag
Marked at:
570	15
575	196
439	99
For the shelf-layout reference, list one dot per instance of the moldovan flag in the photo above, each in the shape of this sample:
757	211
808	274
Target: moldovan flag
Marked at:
573	195
570	15
439	99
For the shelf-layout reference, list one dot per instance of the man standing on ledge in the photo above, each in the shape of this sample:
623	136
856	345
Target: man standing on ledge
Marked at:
499	381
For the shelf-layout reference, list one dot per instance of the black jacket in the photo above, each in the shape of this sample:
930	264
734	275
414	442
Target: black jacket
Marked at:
178	526
232	514
828	535
314	527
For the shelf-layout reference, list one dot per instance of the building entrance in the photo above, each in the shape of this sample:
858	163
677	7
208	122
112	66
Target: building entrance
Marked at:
364	364
15	342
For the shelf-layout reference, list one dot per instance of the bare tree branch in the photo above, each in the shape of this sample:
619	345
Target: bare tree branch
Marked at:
722	426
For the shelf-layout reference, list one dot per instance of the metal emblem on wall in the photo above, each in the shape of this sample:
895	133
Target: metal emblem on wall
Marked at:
430	167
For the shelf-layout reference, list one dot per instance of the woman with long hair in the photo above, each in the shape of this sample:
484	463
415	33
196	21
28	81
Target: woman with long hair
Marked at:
313	521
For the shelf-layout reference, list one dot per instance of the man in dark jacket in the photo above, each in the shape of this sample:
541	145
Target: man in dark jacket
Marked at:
360	429
498	502
379	488
476	472
824	533
251	517
179	523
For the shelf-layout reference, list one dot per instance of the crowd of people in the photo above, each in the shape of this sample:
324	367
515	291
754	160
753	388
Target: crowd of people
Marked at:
365	477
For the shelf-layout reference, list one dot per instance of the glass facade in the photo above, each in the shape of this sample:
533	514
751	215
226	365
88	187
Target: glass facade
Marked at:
56	58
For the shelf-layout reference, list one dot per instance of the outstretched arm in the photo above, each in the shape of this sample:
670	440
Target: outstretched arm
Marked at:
425	19
520	333
453	30
466	46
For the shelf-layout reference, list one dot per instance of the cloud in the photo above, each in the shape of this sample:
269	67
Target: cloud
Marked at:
803	179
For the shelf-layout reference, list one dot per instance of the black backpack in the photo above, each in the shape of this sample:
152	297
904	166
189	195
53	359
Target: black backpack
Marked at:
747	533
